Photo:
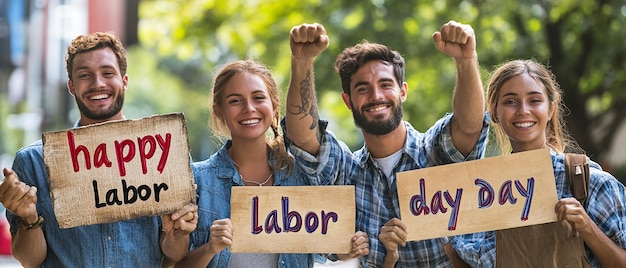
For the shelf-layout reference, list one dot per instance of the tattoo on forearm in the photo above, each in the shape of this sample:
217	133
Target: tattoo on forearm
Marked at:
307	98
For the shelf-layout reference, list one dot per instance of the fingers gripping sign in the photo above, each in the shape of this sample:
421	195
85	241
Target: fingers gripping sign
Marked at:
360	245
393	233
18	198
456	40
221	235
181	222
308	40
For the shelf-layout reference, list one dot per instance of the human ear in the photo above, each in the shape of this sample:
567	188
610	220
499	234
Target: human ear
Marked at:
218	113
346	100
70	87
553	107
403	91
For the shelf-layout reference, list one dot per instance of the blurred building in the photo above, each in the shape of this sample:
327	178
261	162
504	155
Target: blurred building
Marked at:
34	35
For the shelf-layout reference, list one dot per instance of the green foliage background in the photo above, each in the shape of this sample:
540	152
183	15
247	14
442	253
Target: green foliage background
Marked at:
183	42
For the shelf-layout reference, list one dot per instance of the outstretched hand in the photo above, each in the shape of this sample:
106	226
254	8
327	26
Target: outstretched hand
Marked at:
308	40
456	40
18	198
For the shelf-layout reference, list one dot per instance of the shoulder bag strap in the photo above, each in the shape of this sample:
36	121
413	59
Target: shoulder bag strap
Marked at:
577	169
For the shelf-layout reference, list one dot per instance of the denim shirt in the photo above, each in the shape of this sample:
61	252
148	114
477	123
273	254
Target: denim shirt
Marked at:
130	243
214	178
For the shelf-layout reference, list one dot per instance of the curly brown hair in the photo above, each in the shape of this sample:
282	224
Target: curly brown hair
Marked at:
352	58
93	41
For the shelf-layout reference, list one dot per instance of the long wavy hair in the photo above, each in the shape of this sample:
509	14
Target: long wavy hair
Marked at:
557	136
275	142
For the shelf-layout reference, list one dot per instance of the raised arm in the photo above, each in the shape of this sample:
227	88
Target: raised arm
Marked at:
457	40
307	41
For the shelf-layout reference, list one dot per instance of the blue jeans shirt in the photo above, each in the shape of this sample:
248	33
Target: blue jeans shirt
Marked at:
130	243
215	177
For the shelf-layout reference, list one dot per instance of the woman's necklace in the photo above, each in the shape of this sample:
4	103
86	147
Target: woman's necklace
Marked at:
254	182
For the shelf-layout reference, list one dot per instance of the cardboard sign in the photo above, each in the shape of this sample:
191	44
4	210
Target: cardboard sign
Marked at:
482	195
293	219
119	170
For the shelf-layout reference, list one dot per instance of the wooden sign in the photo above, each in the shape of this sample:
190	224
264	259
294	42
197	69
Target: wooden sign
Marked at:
119	170
482	195
293	219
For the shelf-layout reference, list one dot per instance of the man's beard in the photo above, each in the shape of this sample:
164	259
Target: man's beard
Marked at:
378	127
113	110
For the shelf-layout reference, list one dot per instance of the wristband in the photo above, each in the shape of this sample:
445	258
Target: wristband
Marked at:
37	224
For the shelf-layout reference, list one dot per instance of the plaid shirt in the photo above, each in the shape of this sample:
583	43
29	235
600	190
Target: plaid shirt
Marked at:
604	205
376	194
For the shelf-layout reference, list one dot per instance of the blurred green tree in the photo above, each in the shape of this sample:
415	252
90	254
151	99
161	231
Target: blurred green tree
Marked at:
582	41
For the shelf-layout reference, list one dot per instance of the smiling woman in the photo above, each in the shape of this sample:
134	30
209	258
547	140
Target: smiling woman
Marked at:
525	104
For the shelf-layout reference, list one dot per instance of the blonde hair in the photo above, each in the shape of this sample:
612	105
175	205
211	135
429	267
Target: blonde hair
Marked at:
557	137
276	144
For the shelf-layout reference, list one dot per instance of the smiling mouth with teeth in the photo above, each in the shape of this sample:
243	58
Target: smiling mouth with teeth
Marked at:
250	122
100	97
524	125
377	108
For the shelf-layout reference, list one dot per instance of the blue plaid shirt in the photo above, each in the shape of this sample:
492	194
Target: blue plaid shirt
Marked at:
604	205
376	194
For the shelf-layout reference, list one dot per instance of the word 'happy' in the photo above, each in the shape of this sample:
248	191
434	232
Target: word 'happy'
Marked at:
486	196
124	152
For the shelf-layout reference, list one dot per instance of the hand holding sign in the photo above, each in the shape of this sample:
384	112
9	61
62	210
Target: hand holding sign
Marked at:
18	197
182	222
221	235
394	232
360	245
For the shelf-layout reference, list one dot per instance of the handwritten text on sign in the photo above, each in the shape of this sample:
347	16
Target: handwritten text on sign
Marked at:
489	194
119	170
293	219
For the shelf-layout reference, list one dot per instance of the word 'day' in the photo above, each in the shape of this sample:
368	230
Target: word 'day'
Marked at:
279	218
119	170
480	195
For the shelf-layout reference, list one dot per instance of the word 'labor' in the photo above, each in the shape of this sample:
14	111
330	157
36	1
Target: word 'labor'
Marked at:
124	152
486	194
130	194
311	220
